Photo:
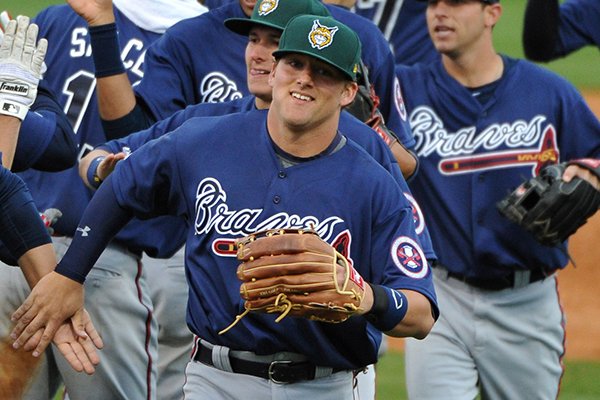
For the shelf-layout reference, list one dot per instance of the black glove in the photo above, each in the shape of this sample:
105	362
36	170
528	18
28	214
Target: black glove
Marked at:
550	208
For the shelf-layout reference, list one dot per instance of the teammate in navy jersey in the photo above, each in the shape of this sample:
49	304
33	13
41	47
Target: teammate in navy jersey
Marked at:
182	70
22	231
131	371
403	25
263	32
274	152
483	122
552	31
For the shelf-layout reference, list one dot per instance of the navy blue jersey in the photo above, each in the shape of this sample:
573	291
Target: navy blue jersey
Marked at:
579	25
356	206
349	127
404	25
21	228
71	76
46	139
179	72
490	149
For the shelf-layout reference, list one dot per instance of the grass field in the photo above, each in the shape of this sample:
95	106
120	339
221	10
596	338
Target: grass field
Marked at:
580	381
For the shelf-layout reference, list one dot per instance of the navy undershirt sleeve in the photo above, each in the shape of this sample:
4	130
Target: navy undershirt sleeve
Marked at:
101	221
540	30
46	138
138	119
21	228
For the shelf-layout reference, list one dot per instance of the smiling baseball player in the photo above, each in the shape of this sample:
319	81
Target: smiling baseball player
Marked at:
287	167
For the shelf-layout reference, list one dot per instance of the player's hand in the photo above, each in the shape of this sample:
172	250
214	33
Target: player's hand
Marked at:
54	299
4	18
20	67
573	171
108	165
95	12
79	352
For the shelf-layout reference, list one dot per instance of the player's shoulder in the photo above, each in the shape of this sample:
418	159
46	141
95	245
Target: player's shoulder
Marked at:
208	23
234	126
419	68
55	14
364	27
528	73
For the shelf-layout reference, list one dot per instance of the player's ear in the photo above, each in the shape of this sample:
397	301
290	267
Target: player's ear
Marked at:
493	12
272	74
348	93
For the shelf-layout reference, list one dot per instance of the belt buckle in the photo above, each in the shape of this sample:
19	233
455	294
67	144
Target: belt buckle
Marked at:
272	370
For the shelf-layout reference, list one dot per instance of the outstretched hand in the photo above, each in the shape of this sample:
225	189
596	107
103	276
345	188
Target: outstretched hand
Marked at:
107	166
54	299
79	352
95	12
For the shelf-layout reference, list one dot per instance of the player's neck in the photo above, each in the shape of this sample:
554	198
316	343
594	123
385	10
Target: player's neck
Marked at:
475	69
303	142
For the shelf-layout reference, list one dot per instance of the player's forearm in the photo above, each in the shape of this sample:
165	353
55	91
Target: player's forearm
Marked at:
115	96
540	29
9	135
101	220
398	313
37	262
85	163
418	320
407	160
114	91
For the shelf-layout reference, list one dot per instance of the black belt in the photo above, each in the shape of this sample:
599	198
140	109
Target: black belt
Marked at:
501	283
276	371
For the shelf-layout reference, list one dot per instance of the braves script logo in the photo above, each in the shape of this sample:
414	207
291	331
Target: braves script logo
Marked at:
217	88
528	142
213	213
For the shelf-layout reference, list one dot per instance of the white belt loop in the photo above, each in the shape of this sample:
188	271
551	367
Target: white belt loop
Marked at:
522	279
220	358
321	372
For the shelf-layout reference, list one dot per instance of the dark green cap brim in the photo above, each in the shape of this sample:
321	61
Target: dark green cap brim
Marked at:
243	26
280	53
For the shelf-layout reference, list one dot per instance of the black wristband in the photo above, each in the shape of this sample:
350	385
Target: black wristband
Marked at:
389	308
106	51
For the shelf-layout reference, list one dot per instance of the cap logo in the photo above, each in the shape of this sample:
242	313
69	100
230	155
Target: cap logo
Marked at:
321	36
267	6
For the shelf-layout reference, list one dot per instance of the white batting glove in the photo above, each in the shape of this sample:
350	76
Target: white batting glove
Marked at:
20	66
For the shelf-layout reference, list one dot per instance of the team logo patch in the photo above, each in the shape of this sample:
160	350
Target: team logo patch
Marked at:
321	36
418	218
409	257
399	100
267	6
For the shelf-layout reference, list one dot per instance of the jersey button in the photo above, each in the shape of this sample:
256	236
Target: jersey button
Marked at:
276	199
282	174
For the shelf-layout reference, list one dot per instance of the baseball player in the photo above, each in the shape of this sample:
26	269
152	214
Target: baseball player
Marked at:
189	71
403	25
131	369
278	152
21	228
483	121
551	31
36	132
263	31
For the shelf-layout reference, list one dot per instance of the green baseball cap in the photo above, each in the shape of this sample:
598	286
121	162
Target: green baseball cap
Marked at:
324	38
275	14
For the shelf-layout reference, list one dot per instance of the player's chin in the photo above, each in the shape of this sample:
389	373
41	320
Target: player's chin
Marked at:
259	86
